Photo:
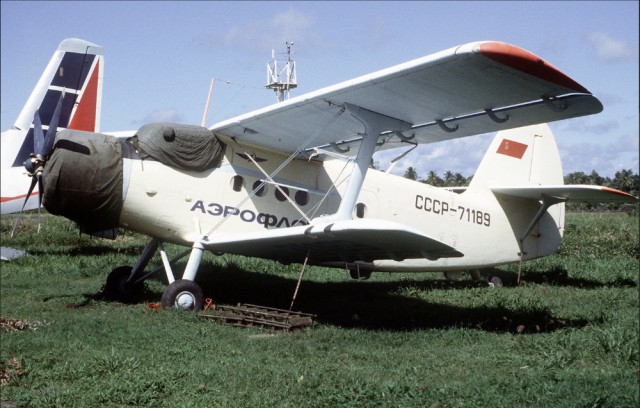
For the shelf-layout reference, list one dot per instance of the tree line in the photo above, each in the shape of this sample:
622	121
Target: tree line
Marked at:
623	180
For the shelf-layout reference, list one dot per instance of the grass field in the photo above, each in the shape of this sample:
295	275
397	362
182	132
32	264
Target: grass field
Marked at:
567	337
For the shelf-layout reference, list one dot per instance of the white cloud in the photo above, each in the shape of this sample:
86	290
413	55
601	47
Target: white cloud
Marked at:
605	158
610	49
588	126
290	25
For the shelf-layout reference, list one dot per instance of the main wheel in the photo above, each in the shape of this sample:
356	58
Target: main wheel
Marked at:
118	287
183	294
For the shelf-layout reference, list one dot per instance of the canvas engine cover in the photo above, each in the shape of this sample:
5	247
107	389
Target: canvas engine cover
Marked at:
83	179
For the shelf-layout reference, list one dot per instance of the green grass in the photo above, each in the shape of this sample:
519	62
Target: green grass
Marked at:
567	337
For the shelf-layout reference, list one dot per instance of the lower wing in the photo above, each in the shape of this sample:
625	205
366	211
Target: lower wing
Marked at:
342	241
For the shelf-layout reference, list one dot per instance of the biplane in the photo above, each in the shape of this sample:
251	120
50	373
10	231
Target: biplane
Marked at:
293	182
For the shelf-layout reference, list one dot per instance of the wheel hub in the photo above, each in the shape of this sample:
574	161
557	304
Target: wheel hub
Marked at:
185	300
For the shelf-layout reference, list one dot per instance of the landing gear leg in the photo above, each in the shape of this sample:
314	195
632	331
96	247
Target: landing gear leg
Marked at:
185	293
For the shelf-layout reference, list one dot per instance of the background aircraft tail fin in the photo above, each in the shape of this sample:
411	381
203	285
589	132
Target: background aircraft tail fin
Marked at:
76	68
522	156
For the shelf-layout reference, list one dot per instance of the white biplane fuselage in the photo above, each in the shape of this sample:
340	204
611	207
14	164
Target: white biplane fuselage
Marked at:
179	207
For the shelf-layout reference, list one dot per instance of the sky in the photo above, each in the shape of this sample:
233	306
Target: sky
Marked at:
160	58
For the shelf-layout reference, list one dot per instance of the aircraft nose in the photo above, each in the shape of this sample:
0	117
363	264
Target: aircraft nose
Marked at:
83	180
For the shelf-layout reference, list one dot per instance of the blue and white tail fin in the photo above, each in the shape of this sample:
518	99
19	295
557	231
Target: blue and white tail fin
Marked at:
76	68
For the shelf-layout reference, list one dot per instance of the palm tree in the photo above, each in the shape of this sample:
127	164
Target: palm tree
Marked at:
459	180
626	181
449	179
433	179
411	174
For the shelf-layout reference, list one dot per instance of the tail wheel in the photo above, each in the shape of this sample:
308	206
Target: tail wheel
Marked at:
118	287
495	282
183	294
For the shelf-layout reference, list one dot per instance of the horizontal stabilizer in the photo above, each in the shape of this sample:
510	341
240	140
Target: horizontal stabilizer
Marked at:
567	193
342	241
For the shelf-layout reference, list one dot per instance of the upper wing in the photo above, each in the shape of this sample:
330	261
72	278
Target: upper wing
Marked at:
471	89
342	241
568	193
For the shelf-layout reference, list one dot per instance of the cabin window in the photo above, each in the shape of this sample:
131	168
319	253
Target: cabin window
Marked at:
302	198
263	189
236	183
361	210
279	195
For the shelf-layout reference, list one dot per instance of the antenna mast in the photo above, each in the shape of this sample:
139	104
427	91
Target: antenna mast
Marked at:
281	75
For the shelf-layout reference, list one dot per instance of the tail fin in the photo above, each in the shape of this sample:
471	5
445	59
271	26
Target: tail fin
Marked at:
75	68
522	156
525	160
522	170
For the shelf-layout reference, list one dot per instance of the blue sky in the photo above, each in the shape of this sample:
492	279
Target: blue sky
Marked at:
161	56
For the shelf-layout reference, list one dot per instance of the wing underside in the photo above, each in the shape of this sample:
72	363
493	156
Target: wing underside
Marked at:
467	90
342	241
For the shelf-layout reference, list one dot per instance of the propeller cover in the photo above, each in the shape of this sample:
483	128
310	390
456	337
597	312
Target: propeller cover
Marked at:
83	179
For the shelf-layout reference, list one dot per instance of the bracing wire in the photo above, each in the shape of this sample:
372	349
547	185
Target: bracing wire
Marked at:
301	148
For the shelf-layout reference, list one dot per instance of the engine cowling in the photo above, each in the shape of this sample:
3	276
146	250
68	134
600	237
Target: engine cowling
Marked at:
83	179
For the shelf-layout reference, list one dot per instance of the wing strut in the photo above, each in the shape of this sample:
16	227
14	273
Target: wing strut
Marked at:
374	124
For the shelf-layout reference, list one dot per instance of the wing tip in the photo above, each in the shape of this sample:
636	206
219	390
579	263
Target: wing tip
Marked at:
529	63
620	193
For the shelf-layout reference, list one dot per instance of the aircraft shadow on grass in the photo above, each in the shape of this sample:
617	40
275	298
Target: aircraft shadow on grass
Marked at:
372	305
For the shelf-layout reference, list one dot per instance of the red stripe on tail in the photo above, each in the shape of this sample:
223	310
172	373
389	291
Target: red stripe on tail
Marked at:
85	116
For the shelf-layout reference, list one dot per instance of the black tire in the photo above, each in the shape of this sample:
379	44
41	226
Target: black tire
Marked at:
183	290
117	287
495	282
